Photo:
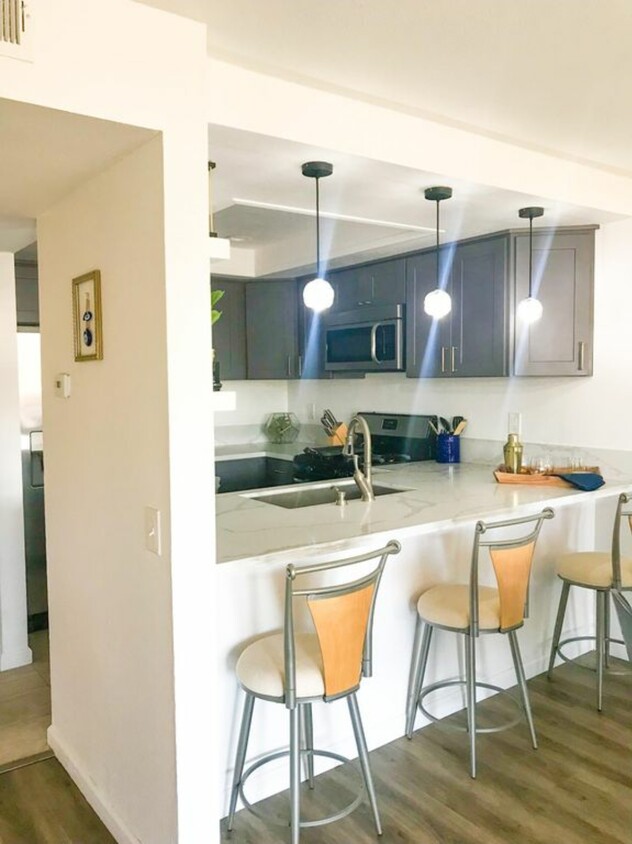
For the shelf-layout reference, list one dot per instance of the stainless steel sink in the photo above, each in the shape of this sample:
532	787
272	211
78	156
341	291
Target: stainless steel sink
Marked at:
310	496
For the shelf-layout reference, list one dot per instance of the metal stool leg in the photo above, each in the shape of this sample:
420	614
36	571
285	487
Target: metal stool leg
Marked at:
240	757
420	660
306	711
517	660
354	712
559	621
607	627
601	625
295	775
470	676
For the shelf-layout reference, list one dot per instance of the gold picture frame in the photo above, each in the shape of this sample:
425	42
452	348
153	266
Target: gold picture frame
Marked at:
86	311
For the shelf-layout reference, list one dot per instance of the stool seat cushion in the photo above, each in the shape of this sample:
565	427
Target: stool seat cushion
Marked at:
592	568
449	606
261	667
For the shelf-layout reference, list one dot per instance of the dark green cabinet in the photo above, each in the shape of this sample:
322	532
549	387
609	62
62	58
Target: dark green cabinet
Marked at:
561	342
229	332
381	283
272	330
473	339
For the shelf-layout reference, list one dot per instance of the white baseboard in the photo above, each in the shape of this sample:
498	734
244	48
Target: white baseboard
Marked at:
15	659
86	786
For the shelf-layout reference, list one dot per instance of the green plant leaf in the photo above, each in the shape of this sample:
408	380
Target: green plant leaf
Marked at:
216	295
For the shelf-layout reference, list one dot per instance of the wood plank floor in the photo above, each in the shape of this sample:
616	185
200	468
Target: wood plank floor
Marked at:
25	704
575	789
39	804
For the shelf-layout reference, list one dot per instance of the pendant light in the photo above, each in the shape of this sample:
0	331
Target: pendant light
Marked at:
438	303
318	294
530	309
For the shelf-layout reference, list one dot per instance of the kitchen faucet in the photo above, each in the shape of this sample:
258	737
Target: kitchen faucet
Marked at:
362	479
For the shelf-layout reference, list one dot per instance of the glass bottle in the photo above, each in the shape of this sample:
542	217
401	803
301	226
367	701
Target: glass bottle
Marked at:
513	454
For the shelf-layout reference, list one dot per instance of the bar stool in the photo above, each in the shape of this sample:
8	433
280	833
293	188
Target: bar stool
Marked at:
471	609
297	669
603	572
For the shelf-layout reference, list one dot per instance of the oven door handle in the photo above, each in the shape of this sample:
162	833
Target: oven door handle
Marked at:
374	356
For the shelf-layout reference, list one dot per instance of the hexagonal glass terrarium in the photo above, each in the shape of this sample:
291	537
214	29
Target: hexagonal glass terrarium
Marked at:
282	427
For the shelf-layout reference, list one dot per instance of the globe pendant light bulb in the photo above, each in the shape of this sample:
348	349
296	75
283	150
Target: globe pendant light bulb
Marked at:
318	294
437	303
530	310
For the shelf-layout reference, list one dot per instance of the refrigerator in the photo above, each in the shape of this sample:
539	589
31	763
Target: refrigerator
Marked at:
32	446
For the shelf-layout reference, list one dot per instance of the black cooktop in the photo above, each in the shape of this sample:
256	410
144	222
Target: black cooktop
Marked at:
396	438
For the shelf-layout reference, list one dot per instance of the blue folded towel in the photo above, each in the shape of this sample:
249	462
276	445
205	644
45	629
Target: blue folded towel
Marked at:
584	480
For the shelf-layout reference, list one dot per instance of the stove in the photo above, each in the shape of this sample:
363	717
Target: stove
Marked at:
395	437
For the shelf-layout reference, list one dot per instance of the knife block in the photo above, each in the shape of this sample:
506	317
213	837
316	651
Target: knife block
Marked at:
339	436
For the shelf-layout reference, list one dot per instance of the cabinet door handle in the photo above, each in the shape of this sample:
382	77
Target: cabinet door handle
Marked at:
289	366
453	359
581	355
300	366
442	358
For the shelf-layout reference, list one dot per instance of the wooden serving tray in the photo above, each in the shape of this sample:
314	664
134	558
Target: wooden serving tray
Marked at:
540	479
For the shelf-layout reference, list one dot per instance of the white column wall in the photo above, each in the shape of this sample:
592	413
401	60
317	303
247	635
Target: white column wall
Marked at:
14	649
123	61
109	598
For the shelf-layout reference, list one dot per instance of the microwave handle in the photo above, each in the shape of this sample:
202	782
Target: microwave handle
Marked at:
374	329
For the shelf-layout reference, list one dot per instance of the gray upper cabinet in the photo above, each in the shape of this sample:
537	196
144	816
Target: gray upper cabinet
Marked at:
479	321
311	337
272	330
473	340
382	283
26	294
561	342
424	338
229	332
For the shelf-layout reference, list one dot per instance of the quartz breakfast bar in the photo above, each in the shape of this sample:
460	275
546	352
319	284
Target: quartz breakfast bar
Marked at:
433	517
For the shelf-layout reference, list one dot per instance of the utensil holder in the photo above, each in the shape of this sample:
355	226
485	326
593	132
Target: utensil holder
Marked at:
339	436
448	448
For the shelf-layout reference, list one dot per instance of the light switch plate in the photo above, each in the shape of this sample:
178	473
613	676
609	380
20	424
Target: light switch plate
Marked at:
62	385
153	537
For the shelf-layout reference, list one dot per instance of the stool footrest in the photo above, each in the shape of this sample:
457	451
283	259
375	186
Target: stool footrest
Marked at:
270	757
573	661
446	683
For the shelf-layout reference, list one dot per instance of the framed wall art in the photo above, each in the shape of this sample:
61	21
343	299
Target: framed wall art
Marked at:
86	308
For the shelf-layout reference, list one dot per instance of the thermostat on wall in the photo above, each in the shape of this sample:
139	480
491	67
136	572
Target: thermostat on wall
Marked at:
62	385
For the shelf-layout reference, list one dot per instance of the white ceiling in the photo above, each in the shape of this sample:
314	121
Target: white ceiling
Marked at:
45	155
547	74
552	75
259	169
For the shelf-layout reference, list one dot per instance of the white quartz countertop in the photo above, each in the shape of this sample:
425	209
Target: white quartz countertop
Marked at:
282	451
435	497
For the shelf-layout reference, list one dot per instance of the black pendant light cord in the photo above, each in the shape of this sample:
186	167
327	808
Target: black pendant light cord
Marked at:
318	275
438	274
530	257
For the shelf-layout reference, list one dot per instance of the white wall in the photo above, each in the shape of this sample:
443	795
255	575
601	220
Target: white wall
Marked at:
586	412
256	400
121	61
14	649
110	599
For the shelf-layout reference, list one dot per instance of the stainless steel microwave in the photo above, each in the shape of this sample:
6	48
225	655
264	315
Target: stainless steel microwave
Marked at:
369	339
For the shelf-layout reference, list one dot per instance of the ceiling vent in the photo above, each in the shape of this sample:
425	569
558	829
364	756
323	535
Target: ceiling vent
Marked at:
15	29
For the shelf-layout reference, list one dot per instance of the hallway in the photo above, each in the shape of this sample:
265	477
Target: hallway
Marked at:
25	705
